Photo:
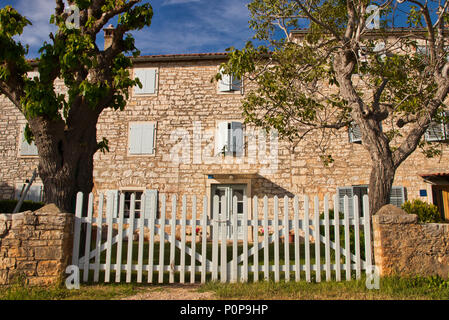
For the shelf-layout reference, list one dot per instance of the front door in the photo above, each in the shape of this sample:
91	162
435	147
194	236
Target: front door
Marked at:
229	191
441	200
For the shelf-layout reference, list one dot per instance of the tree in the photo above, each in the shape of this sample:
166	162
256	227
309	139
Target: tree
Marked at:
341	73
63	125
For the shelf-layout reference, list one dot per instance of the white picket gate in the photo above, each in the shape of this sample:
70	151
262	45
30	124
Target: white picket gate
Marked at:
210	249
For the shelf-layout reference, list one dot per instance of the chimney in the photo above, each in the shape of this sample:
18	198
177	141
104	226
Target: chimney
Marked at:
108	36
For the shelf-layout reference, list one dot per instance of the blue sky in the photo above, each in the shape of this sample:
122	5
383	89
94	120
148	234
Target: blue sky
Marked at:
178	26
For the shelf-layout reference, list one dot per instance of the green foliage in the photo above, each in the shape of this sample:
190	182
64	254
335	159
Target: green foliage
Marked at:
74	57
7	206
427	213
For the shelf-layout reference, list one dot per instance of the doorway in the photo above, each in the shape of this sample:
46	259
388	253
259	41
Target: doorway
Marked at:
229	191
440	195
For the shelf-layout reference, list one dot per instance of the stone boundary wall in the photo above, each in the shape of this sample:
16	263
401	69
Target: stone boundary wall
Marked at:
37	245
402	246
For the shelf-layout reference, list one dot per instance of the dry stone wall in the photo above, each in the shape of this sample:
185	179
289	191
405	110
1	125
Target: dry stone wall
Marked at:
36	245
402	246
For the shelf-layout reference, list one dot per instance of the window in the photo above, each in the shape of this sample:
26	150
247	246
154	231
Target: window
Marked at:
148	78
437	131
397	197
229	139
27	149
35	193
422	50
229	83
142	137
355	135
138	202
150	206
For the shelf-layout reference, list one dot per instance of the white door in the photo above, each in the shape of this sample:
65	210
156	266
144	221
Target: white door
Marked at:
229	192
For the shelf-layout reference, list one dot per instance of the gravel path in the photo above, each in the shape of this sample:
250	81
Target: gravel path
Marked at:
173	292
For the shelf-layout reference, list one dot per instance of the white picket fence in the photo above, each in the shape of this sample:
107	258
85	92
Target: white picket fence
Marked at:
250	258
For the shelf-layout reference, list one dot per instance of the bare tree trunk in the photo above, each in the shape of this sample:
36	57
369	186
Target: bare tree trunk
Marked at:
65	159
380	184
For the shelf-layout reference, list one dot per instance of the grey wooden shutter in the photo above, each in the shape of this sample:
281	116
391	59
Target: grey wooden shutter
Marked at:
135	138
236	84
35	193
27	149
397	196
148	79
346	191
141	138
236	139
355	135
360	191
113	197
147	140
435	132
151	203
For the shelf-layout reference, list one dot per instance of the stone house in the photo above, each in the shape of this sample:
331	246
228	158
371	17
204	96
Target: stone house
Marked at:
184	134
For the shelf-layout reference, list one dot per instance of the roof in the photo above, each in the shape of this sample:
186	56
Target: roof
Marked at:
168	57
439	174
390	31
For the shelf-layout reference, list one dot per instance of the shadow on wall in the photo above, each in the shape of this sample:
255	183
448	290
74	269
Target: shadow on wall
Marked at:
6	191
262	186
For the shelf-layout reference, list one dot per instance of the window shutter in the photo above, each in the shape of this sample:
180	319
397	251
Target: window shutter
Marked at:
147	138
135	138
346	191
35	193
397	196
27	149
221	138
360	191
32	74
379	47
435	132
355	135
236	138
151	201
236	84
148	79
112	198
225	84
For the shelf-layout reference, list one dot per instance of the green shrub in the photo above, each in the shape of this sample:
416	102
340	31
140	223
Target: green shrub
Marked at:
7	206
426	212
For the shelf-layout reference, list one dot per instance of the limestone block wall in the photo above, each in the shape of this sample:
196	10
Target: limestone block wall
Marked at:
185	95
405	247
37	245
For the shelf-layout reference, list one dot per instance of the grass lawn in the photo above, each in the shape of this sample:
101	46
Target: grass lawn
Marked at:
390	288
395	288
415	288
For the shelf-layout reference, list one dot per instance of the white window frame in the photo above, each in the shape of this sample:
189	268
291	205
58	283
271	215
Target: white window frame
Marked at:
130	191
21	140
156	83
154	139
217	134
231	90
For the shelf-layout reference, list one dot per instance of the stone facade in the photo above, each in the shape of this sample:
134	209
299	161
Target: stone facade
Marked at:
186	95
404	247
37	245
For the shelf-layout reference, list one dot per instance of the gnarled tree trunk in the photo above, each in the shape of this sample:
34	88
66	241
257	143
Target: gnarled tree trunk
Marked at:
66	157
